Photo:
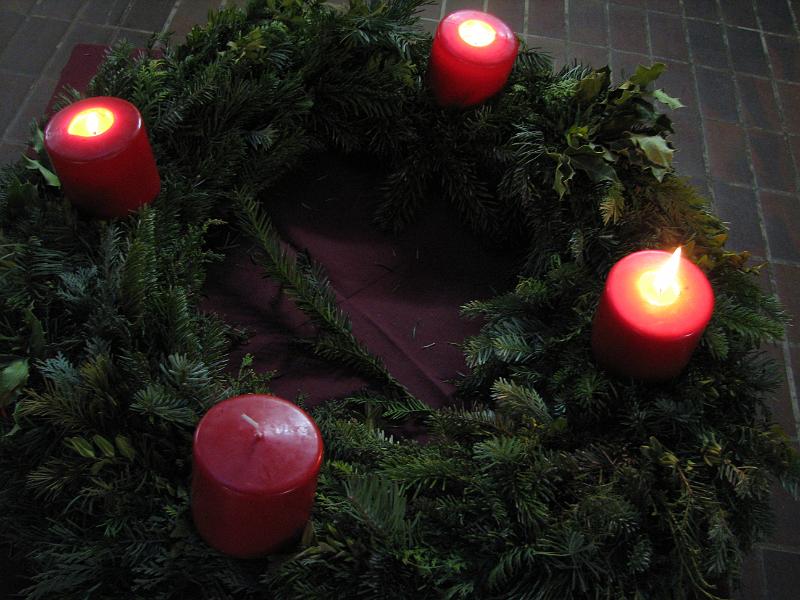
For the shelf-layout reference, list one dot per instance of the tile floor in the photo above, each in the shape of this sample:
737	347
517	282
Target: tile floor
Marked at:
735	64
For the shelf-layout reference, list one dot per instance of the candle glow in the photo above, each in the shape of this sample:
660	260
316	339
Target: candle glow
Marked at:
91	122
662	286
477	33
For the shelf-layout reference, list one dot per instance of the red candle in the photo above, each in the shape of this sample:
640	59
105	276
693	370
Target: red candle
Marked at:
256	459
472	55
101	154
653	310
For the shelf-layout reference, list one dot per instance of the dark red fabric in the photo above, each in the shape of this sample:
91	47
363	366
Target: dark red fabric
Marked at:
402	292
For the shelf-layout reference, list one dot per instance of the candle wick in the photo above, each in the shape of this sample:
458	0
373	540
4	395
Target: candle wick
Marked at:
254	423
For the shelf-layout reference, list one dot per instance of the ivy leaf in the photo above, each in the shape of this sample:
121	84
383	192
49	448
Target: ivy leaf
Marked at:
667	100
81	446
49	177
655	148
590	86
12	379
563	173
646	75
106	447
124	447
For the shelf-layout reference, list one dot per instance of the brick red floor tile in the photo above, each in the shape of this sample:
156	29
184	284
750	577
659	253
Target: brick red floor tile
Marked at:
62	9
82	33
430	11
775	16
147	15
717	95
688	160
759	108
780	403
750	586
666	36
10	21
587	22
190	14
12	94
594	56
782	571
707	43
701	9
787	278
738	12
454	5
637	3
678	81
727	152
784	54
104	12
772	161
670	6
747	53
624	64
738	207
547	18
511	12
10	152
22	56
790	100
628	29
556	48
32	109
787	525
781	215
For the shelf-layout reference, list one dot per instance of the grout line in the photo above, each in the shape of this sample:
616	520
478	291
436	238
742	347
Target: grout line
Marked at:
41	76
787	358
696	89
526	15
442	9
171	16
567	36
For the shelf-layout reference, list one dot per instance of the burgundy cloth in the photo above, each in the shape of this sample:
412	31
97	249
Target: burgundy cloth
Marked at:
402	293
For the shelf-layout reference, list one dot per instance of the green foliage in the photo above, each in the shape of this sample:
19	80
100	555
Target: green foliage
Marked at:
550	479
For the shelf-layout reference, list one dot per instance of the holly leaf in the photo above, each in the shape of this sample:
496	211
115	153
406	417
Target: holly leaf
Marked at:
647	75
591	160
655	148
667	100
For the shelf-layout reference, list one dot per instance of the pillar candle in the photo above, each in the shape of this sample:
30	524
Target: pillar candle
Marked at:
101	154
654	308
471	58
256	459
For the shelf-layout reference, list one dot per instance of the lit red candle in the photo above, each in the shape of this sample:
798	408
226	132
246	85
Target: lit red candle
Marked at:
256	460
101	154
472	56
653	310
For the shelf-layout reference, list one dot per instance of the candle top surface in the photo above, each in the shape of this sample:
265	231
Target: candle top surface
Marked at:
93	128
677	307
258	444
477	37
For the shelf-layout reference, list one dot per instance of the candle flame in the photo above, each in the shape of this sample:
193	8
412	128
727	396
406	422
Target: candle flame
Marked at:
477	33
91	122
662	287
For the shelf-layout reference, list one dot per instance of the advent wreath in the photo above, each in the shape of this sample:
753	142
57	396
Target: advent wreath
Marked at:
547	478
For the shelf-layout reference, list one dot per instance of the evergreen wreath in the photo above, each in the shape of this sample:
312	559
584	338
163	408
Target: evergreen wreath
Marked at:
552	480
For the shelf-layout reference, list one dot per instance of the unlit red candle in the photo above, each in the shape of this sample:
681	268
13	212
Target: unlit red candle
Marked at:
256	459
471	58
654	308
101	154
